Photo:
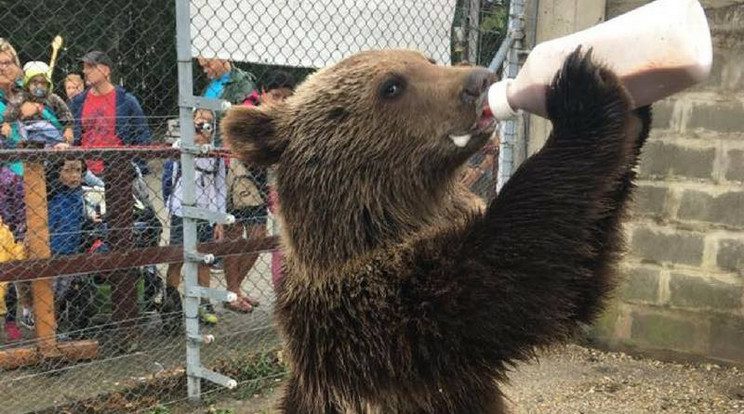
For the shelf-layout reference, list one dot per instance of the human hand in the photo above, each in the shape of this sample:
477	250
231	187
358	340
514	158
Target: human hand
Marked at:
67	135
61	145
219	232
29	109
5	129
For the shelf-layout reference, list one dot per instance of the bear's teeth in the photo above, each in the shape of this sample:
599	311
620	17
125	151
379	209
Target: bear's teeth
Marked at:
460	140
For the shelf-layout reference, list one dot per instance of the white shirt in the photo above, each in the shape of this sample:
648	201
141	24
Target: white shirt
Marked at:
211	189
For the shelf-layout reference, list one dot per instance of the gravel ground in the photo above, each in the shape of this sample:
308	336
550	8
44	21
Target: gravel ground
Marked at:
579	380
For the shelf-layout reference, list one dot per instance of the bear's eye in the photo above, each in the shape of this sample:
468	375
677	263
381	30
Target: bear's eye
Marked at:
392	87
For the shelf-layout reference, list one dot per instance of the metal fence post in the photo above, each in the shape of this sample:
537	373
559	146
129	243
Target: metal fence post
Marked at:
473	30
185	91
113	348
509	132
191	258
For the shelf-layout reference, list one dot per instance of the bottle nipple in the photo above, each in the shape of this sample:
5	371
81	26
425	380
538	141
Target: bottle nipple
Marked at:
498	100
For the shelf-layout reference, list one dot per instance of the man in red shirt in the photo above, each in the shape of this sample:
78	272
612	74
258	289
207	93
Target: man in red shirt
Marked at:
106	115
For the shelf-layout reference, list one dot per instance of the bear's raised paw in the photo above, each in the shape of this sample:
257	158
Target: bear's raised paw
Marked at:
585	92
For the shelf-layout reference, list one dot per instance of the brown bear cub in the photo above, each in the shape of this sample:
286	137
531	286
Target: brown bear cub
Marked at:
400	294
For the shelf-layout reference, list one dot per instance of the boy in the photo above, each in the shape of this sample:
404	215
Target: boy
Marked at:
70	231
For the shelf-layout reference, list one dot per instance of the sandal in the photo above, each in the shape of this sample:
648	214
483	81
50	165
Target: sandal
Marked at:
239	305
253	301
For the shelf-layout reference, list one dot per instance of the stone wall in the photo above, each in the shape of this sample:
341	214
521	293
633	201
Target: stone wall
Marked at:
684	277
683	290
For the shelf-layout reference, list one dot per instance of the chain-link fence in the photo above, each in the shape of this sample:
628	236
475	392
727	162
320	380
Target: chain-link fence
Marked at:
101	187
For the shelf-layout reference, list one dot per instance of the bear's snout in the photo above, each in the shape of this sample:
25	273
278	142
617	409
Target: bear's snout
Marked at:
476	83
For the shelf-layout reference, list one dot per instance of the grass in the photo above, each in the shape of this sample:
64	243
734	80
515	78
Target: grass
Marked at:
255	373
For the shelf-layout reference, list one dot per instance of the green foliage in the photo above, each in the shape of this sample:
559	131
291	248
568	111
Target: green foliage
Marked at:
138	35
263	364
494	19
493	25
160	409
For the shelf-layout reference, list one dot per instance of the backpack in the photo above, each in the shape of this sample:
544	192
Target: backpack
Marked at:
246	187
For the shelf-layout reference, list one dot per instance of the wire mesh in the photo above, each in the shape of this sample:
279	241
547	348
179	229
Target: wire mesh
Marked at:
90	183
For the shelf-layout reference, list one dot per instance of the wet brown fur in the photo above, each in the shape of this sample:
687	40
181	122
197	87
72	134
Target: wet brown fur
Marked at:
400	294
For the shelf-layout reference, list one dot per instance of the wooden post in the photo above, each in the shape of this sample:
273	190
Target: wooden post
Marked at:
119	176
37	240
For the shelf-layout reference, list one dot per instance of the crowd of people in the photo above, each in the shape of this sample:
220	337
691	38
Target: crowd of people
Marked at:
97	113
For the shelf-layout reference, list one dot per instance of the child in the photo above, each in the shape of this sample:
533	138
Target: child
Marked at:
247	199
70	231
9	250
74	84
44	117
279	86
210	195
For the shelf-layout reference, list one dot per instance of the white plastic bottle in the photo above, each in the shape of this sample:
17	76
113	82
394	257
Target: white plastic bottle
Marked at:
657	50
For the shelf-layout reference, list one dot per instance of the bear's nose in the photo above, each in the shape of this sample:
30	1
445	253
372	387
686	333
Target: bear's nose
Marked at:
476	83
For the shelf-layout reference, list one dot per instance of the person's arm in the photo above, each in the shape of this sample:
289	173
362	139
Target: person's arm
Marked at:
75	107
221	183
54	218
12	112
137	130
140	129
92	180
61	110
64	115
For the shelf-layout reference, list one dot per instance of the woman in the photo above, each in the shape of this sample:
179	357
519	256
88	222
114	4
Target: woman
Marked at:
11	192
12	206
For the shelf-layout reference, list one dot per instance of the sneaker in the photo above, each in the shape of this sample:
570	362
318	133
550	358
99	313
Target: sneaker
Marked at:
171	311
171	301
207	315
27	319
12	333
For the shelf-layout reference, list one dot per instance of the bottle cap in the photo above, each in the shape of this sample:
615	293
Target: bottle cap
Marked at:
497	100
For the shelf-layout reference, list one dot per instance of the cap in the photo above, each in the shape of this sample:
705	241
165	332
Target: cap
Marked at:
498	102
35	68
96	57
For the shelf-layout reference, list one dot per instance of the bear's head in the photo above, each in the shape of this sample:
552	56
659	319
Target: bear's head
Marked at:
367	151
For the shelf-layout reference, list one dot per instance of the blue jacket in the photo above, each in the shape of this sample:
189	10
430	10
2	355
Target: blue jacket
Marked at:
167	181
66	220
131	125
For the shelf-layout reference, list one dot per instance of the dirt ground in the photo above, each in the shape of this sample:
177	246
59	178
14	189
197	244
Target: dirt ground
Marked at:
579	380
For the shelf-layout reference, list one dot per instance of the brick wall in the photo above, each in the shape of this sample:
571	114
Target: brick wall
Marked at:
684	276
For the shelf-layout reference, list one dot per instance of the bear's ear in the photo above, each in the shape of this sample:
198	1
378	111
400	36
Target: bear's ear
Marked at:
250	133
